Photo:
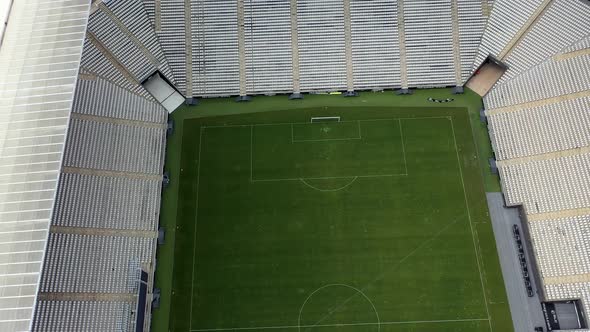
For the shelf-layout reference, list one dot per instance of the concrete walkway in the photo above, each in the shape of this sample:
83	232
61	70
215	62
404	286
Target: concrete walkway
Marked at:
295	47
544	156
570	55
401	25
102	297
119	121
113	174
348	47
524	30
456	43
526	311
188	42
103	232
158	16
538	103
111	58
242	48
558	214
107	11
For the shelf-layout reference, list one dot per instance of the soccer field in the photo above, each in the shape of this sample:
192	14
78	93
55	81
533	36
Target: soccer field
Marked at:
368	222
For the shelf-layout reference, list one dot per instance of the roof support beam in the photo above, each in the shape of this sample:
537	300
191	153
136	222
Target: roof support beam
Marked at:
348	47
188	40
295	47
538	103
524	30
55	229
456	43
129	34
111	58
102	297
242	49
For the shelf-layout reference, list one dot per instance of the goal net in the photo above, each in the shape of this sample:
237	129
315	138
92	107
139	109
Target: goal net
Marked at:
325	119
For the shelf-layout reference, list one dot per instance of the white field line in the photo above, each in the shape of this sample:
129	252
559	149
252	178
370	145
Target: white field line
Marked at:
401	133
195	234
396	265
329	190
324	118
471	226
360	133
252	148
358	291
443	321
328	177
307	123
335	139
380	276
326	140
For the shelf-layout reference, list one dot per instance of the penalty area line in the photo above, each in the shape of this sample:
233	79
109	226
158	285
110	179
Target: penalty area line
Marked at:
476	248
278	327
307	123
195	232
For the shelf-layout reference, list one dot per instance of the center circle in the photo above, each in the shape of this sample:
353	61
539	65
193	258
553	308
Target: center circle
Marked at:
332	299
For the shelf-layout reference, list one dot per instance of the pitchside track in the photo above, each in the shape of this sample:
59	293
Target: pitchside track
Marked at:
356	224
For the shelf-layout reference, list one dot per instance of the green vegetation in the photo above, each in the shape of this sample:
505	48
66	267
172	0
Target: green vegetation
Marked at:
381	218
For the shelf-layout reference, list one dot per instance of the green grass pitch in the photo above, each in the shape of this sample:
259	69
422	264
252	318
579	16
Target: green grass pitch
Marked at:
375	223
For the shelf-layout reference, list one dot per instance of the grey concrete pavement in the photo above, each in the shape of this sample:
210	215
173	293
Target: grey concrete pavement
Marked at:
526	311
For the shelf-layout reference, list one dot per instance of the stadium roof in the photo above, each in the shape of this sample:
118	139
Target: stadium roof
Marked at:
39	61
4	10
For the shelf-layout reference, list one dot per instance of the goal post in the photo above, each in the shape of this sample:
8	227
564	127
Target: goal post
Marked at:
325	119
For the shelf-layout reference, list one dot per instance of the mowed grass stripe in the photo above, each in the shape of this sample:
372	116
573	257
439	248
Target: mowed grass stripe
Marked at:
178	201
225	162
380	324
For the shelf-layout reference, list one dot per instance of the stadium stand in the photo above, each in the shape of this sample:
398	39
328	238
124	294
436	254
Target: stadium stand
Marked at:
108	100
522	34
316	46
91	316
562	246
172	37
216	71
322	61
558	78
104	228
505	22
537	119
563	121
115	153
88	206
375	45
548	35
430	63
582	45
268	57
87	200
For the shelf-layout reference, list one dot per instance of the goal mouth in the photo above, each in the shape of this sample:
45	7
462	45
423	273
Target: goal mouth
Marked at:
318	119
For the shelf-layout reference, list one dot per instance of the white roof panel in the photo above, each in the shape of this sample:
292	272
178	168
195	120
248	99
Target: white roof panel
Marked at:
39	60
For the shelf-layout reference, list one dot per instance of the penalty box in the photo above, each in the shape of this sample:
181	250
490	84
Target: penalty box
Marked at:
328	149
